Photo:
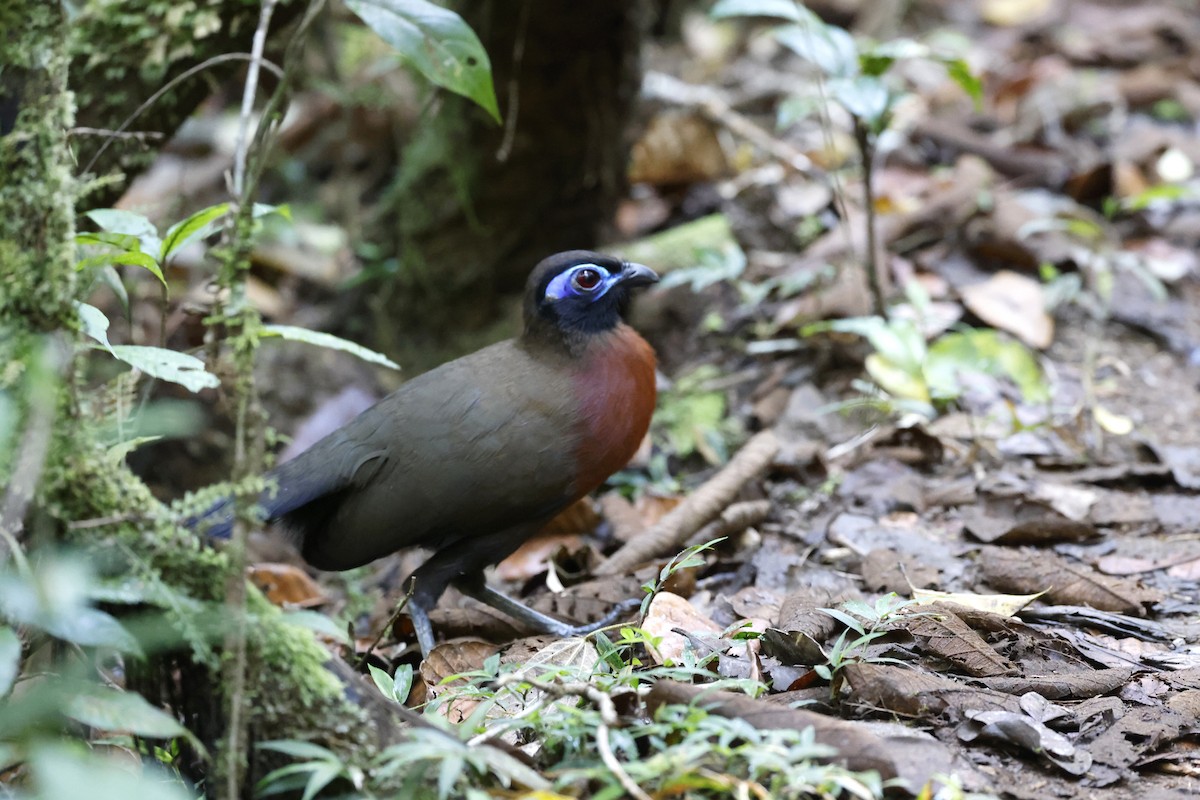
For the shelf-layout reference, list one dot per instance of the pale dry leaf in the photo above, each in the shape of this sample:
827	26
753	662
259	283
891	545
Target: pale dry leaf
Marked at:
670	611
1011	13
1014	303
1006	605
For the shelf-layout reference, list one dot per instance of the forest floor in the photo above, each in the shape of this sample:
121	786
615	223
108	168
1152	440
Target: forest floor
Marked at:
1044	479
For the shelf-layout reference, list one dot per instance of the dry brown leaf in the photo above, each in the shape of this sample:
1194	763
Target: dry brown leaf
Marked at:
534	556
284	584
670	611
1074	686
1014	303
949	638
1063	581
454	658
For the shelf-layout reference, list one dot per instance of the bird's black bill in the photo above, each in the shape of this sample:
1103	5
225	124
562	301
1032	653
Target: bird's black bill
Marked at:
637	275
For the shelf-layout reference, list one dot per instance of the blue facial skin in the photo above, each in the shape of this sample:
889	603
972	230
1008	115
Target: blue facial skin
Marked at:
589	297
567	283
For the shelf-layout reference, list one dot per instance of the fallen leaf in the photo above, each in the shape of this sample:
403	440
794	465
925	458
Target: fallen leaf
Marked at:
1010	13
667	613
1005	605
284	584
1014	303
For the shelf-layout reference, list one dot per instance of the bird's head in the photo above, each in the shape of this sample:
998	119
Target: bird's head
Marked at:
577	293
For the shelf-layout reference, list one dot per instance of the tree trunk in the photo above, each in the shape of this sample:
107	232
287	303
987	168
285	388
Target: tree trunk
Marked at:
477	205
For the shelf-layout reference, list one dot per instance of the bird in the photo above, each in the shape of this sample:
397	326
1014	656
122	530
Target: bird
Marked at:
472	458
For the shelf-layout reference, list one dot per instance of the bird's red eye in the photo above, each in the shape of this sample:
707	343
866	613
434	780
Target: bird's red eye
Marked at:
586	279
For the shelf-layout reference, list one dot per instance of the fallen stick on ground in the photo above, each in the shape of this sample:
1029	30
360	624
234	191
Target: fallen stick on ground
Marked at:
699	508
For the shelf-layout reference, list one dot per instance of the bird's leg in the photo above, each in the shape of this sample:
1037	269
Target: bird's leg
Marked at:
422	626
474	586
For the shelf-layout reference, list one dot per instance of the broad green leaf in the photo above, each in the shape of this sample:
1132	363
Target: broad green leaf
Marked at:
298	749
828	48
865	97
62	771
202	223
437	42
125	257
320	776
123	241
984	351
114	710
10	658
383	682
784	9
896	380
168	365
128	222
328	340
108	275
899	342
318	623
95	324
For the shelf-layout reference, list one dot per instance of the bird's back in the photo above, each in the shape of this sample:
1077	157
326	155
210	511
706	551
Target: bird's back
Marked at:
471	447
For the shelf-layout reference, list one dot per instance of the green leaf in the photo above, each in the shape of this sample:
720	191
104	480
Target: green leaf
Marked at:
383	682
896	380
865	97
107	274
328	340
10	658
113	710
124	241
298	749
61	771
54	599
95	324
984	351
969	82
784	9
318	623
117	220
168	365
116	454
438	44
828	48
125	257
202	223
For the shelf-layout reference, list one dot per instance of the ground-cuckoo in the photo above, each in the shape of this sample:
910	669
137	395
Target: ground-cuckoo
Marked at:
470	459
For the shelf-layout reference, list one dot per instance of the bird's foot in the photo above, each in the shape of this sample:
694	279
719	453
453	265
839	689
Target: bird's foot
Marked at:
536	619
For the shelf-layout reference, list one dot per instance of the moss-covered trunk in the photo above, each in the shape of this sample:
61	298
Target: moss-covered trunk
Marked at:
292	693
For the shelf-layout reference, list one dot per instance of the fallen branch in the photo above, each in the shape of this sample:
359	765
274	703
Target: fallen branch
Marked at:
701	507
733	520
712	105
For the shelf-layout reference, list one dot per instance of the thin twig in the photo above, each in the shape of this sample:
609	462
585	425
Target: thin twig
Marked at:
412	587
878	278
140	136
512	111
171	84
103	522
248	93
716	108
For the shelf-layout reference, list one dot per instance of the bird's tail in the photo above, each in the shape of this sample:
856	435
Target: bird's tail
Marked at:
290	487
